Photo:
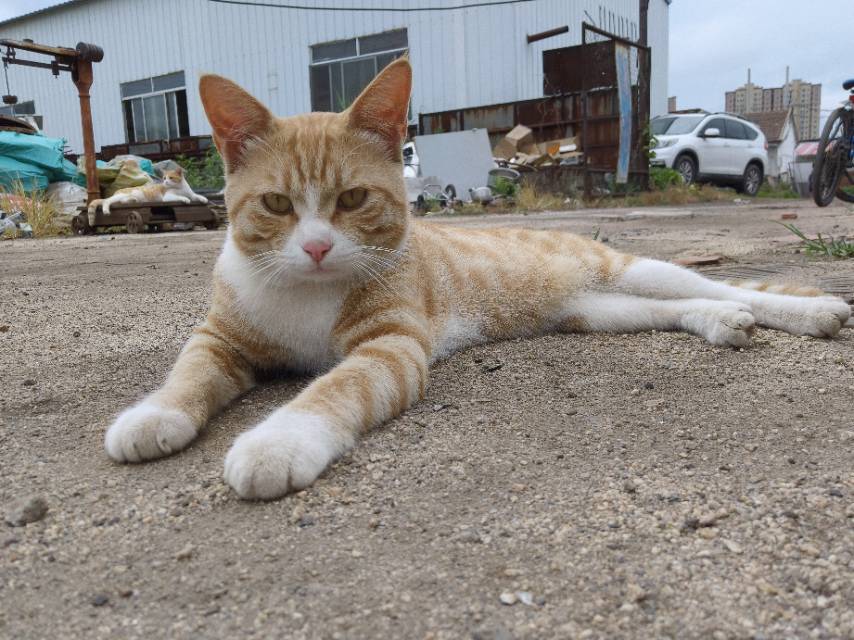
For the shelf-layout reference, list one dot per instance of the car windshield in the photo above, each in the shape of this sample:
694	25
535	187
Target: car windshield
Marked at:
674	125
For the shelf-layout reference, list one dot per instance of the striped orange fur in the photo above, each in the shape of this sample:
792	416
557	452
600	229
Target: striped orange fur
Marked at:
323	270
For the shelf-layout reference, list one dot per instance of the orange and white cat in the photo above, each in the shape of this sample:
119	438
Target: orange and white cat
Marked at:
174	188
323	270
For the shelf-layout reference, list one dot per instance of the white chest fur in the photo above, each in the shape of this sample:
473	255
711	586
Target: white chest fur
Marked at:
299	318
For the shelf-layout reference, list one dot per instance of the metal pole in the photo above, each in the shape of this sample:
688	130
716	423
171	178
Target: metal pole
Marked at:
83	81
643	9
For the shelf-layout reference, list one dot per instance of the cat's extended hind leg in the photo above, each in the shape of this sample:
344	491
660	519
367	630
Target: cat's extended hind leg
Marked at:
820	316
720	322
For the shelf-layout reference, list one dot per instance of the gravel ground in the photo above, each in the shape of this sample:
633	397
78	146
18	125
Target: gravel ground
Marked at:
579	486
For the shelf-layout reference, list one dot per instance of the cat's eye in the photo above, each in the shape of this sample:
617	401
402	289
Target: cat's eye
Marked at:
352	198
277	203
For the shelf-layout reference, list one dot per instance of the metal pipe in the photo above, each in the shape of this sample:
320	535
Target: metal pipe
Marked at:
534	37
83	81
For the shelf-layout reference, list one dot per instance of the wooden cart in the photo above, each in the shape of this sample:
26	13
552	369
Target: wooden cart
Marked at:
139	216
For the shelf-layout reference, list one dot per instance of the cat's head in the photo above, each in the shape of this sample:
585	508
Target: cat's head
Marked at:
173	178
315	193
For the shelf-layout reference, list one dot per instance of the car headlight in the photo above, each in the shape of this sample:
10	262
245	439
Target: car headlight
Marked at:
663	144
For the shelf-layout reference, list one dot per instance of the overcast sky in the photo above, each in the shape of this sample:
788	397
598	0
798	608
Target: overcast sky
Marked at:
713	42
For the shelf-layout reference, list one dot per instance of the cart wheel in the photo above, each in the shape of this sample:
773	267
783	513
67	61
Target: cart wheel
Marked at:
134	222
80	224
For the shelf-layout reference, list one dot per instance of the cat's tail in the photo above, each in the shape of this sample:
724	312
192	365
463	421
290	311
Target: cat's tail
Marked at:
784	289
93	206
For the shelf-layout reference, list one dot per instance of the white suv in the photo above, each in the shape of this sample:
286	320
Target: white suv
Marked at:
711	147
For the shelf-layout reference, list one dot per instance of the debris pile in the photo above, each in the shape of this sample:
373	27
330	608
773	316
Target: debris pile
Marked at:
518	148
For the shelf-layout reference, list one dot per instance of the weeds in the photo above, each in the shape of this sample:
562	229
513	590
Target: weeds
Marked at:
831	247
505	187
39	211
204	173
529	198
780	190
660	178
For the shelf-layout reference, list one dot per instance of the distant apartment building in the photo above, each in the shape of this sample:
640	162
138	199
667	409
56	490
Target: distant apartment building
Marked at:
802	97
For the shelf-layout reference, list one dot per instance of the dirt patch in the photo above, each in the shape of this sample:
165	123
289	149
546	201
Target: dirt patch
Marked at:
615	486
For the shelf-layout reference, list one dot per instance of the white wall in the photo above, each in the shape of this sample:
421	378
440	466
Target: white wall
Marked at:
785	152
460	58
658	21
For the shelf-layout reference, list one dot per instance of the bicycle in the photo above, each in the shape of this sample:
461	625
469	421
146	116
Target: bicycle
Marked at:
834	159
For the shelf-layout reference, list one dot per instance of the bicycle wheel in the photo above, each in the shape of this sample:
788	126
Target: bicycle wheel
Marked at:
830	159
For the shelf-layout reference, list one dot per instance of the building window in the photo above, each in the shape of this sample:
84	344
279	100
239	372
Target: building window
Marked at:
340	70
155	108
21	109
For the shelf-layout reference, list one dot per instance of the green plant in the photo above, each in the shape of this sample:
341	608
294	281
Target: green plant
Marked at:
780	190
39	211
660	178
831	247
204	173
505	187
649	141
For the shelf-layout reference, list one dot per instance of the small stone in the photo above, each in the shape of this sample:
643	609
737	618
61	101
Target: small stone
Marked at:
27	511
634	392
836	493
508	598
708	533
29	382
125	593
186	553
76	334
648	385
822	391
525	597
495	366
4	328
99	600
732	546
630	486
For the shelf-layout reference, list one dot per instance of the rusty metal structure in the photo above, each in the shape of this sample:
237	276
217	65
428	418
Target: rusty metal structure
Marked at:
580	99
78	62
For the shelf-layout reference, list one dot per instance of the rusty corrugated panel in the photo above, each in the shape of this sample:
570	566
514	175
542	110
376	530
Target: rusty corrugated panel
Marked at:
564	69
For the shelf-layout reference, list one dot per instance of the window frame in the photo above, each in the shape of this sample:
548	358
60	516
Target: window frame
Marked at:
341	62
174	117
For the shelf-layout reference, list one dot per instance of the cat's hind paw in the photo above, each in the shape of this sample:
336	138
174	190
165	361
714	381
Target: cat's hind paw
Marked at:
147	431
286	452
726	324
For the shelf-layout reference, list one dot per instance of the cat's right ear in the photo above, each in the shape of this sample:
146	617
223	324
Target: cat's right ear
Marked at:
235	116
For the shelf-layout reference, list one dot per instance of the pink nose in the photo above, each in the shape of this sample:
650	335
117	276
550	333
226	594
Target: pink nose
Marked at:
316	249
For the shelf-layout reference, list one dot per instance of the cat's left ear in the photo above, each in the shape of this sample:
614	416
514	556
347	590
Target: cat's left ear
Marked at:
383	107
235	116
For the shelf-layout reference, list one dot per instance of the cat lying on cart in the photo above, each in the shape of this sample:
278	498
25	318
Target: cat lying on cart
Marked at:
174	188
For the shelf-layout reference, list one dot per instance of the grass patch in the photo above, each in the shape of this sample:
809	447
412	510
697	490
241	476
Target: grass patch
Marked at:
39	211
680	194
830	247
780	190
529	198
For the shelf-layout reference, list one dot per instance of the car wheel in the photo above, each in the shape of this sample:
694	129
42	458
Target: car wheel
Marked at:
687	168
752	180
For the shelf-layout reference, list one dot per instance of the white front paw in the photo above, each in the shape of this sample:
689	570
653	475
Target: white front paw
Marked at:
147	431
202	199
286	452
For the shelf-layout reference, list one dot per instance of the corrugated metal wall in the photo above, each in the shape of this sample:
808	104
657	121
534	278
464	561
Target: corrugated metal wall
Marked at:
460	58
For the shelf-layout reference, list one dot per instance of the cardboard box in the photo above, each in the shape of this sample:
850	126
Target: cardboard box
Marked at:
520	138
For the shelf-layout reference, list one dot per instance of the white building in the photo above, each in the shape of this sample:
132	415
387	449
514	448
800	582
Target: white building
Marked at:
781	132
298	60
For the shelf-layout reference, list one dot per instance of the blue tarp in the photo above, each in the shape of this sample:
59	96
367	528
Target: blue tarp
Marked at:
31	177
35	160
